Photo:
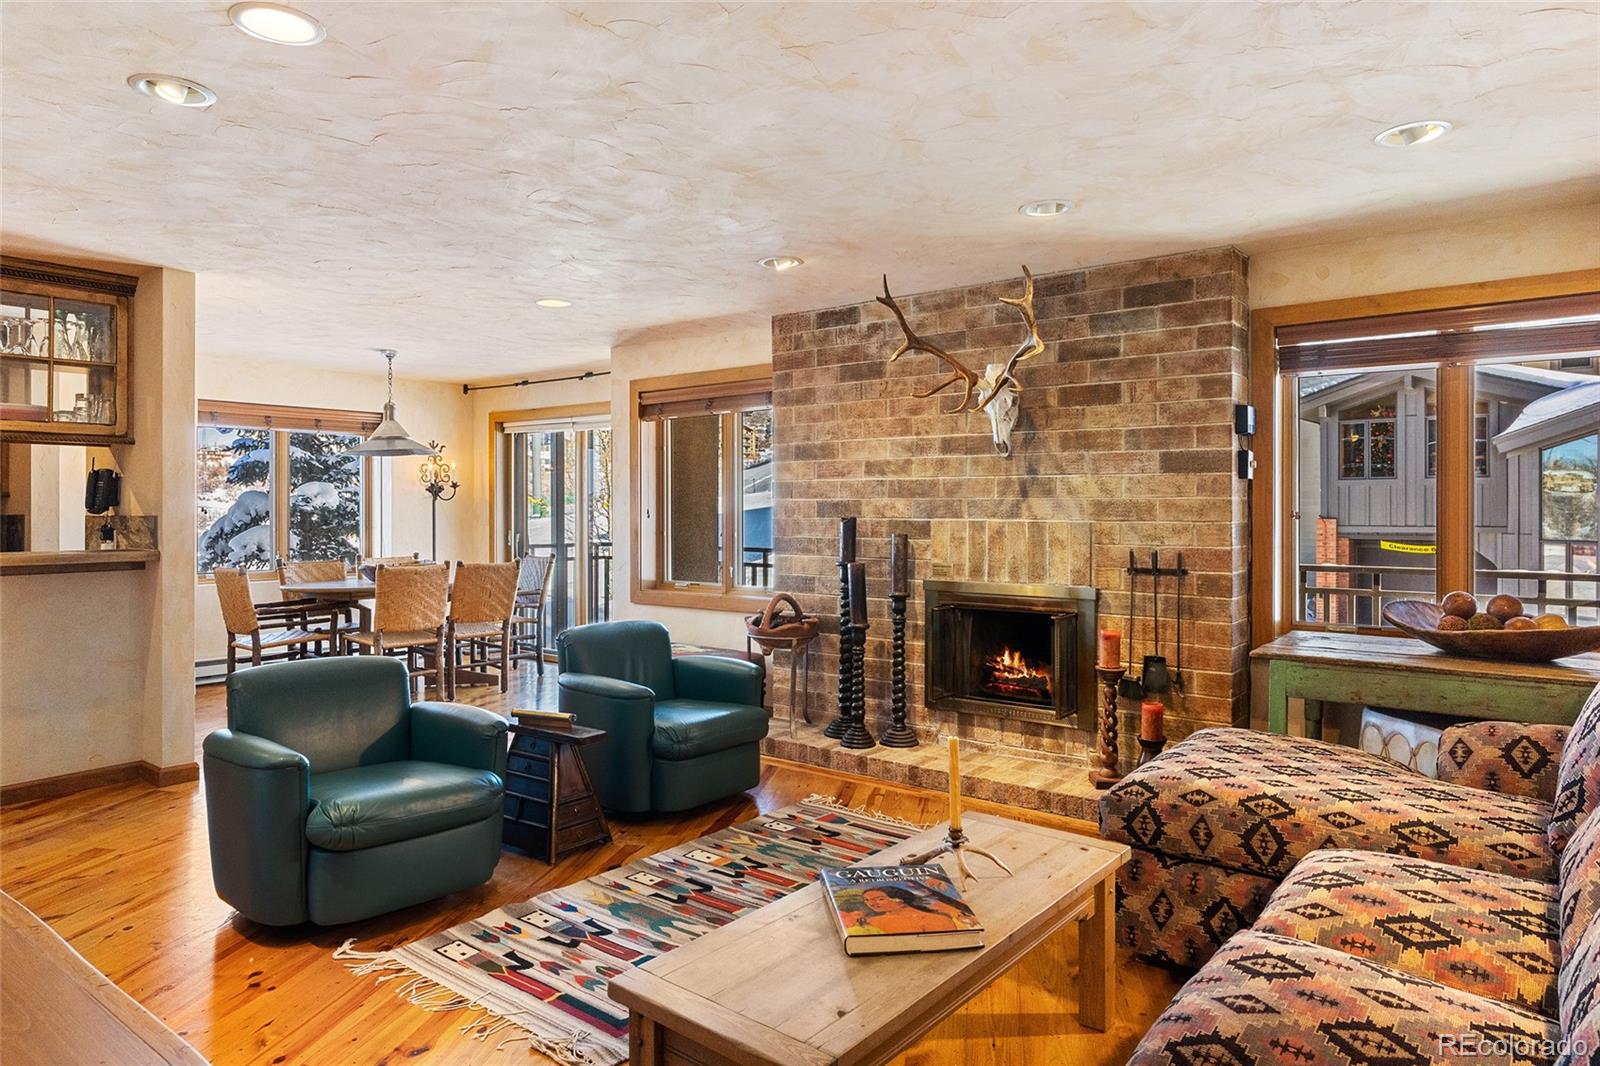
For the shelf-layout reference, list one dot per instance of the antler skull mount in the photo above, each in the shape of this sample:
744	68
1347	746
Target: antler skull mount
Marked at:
996	391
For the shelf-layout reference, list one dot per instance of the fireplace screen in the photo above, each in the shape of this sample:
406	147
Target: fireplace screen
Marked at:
1017	651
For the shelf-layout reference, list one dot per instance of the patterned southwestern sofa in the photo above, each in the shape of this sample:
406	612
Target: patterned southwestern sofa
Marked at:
1391	918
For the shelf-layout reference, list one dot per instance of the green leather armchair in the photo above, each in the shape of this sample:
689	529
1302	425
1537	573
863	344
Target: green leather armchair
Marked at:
332	797
679	732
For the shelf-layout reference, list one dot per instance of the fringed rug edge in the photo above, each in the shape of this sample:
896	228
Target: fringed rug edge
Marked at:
427	994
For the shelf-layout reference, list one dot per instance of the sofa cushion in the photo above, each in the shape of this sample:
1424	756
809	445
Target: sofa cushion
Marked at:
1265	999
1174	912
1579	984
689	728
367	806
1481	932
1260	802
1578	782
1580	885
1506	757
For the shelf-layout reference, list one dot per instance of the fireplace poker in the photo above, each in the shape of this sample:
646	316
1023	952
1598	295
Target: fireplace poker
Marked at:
1128	687
1177	644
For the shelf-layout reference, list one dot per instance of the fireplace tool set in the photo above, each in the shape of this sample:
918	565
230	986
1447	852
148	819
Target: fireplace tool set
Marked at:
849	726
1153	679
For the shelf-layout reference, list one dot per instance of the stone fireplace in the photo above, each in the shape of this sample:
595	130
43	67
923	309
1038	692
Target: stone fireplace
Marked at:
1012	651
1124	442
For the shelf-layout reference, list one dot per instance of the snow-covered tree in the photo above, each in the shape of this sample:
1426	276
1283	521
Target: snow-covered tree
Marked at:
325	502
324	505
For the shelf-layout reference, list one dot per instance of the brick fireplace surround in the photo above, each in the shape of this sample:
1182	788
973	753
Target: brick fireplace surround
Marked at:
1125	441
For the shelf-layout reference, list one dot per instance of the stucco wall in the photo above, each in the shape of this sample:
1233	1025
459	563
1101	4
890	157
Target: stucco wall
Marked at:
1485	249
95	668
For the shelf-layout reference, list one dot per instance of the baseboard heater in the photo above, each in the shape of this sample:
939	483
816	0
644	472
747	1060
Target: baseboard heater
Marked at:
210	671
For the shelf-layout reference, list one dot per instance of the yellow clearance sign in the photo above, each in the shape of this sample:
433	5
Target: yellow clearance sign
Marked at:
1408	549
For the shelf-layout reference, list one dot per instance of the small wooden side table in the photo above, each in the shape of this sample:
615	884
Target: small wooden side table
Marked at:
551	807
1405	673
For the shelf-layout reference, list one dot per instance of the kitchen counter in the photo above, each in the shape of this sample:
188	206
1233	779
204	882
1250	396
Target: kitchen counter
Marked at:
72	562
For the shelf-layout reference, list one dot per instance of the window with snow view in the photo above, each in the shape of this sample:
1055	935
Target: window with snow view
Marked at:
269	493
233	505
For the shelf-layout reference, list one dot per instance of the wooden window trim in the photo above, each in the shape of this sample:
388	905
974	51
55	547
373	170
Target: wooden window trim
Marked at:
716	391
283	419
1272	504
497	423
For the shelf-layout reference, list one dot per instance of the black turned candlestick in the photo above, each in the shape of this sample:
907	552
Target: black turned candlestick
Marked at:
1149	749
898	735
847	555
856	734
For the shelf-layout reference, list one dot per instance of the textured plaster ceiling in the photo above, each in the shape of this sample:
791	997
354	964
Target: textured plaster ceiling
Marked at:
421	177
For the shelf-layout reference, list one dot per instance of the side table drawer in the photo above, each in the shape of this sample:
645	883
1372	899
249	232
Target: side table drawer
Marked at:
585	809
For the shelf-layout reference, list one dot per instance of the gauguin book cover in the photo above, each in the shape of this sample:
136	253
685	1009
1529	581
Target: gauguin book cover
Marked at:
883	909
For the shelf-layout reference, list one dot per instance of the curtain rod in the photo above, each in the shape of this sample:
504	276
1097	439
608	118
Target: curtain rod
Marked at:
467	390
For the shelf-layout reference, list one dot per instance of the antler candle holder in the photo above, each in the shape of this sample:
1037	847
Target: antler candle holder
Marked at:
955	841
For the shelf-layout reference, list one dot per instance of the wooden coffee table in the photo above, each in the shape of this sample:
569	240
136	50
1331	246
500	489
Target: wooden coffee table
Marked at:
775	987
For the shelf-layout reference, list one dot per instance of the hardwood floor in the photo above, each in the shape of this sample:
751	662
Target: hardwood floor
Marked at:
122	872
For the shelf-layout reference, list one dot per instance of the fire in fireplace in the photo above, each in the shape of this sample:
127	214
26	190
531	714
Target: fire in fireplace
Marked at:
1011	675
1017	651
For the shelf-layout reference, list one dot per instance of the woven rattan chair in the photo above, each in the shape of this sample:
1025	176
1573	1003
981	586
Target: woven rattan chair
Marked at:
408	619
481	604
296	572
393	560
533	588
284	640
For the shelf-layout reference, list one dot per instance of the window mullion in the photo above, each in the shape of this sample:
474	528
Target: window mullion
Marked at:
280	493
1455	485
731	555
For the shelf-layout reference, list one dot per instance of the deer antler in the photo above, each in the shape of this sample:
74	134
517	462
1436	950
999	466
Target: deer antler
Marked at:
913	343
1031	345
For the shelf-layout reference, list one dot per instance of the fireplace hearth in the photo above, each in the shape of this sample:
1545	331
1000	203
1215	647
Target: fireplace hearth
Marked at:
1012	651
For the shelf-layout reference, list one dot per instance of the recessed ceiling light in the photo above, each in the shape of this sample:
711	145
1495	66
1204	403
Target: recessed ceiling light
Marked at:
171	89
551	301
781	263
1409	133
1045	208
276	24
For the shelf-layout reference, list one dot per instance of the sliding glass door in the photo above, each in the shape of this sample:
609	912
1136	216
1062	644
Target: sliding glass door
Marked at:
559	505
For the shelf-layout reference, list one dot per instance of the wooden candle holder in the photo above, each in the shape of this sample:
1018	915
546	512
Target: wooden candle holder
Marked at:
841	720
898	735
856	734
1107	774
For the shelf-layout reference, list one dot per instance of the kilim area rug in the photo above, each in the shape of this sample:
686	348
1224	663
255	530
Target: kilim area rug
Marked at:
537	972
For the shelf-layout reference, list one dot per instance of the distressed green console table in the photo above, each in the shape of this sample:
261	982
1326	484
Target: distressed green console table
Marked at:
1404	673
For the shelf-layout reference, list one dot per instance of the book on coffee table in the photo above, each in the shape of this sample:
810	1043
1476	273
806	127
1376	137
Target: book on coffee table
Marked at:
880	910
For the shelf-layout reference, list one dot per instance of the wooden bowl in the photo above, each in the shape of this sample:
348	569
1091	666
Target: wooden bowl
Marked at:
1421	619
782	625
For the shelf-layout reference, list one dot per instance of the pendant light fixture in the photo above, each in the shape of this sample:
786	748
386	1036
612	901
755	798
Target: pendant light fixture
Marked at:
390	438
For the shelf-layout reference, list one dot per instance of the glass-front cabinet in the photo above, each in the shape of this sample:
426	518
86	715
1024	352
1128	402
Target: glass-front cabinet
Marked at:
64	353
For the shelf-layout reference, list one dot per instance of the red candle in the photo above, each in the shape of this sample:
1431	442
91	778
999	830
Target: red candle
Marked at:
1151	720
1110	649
